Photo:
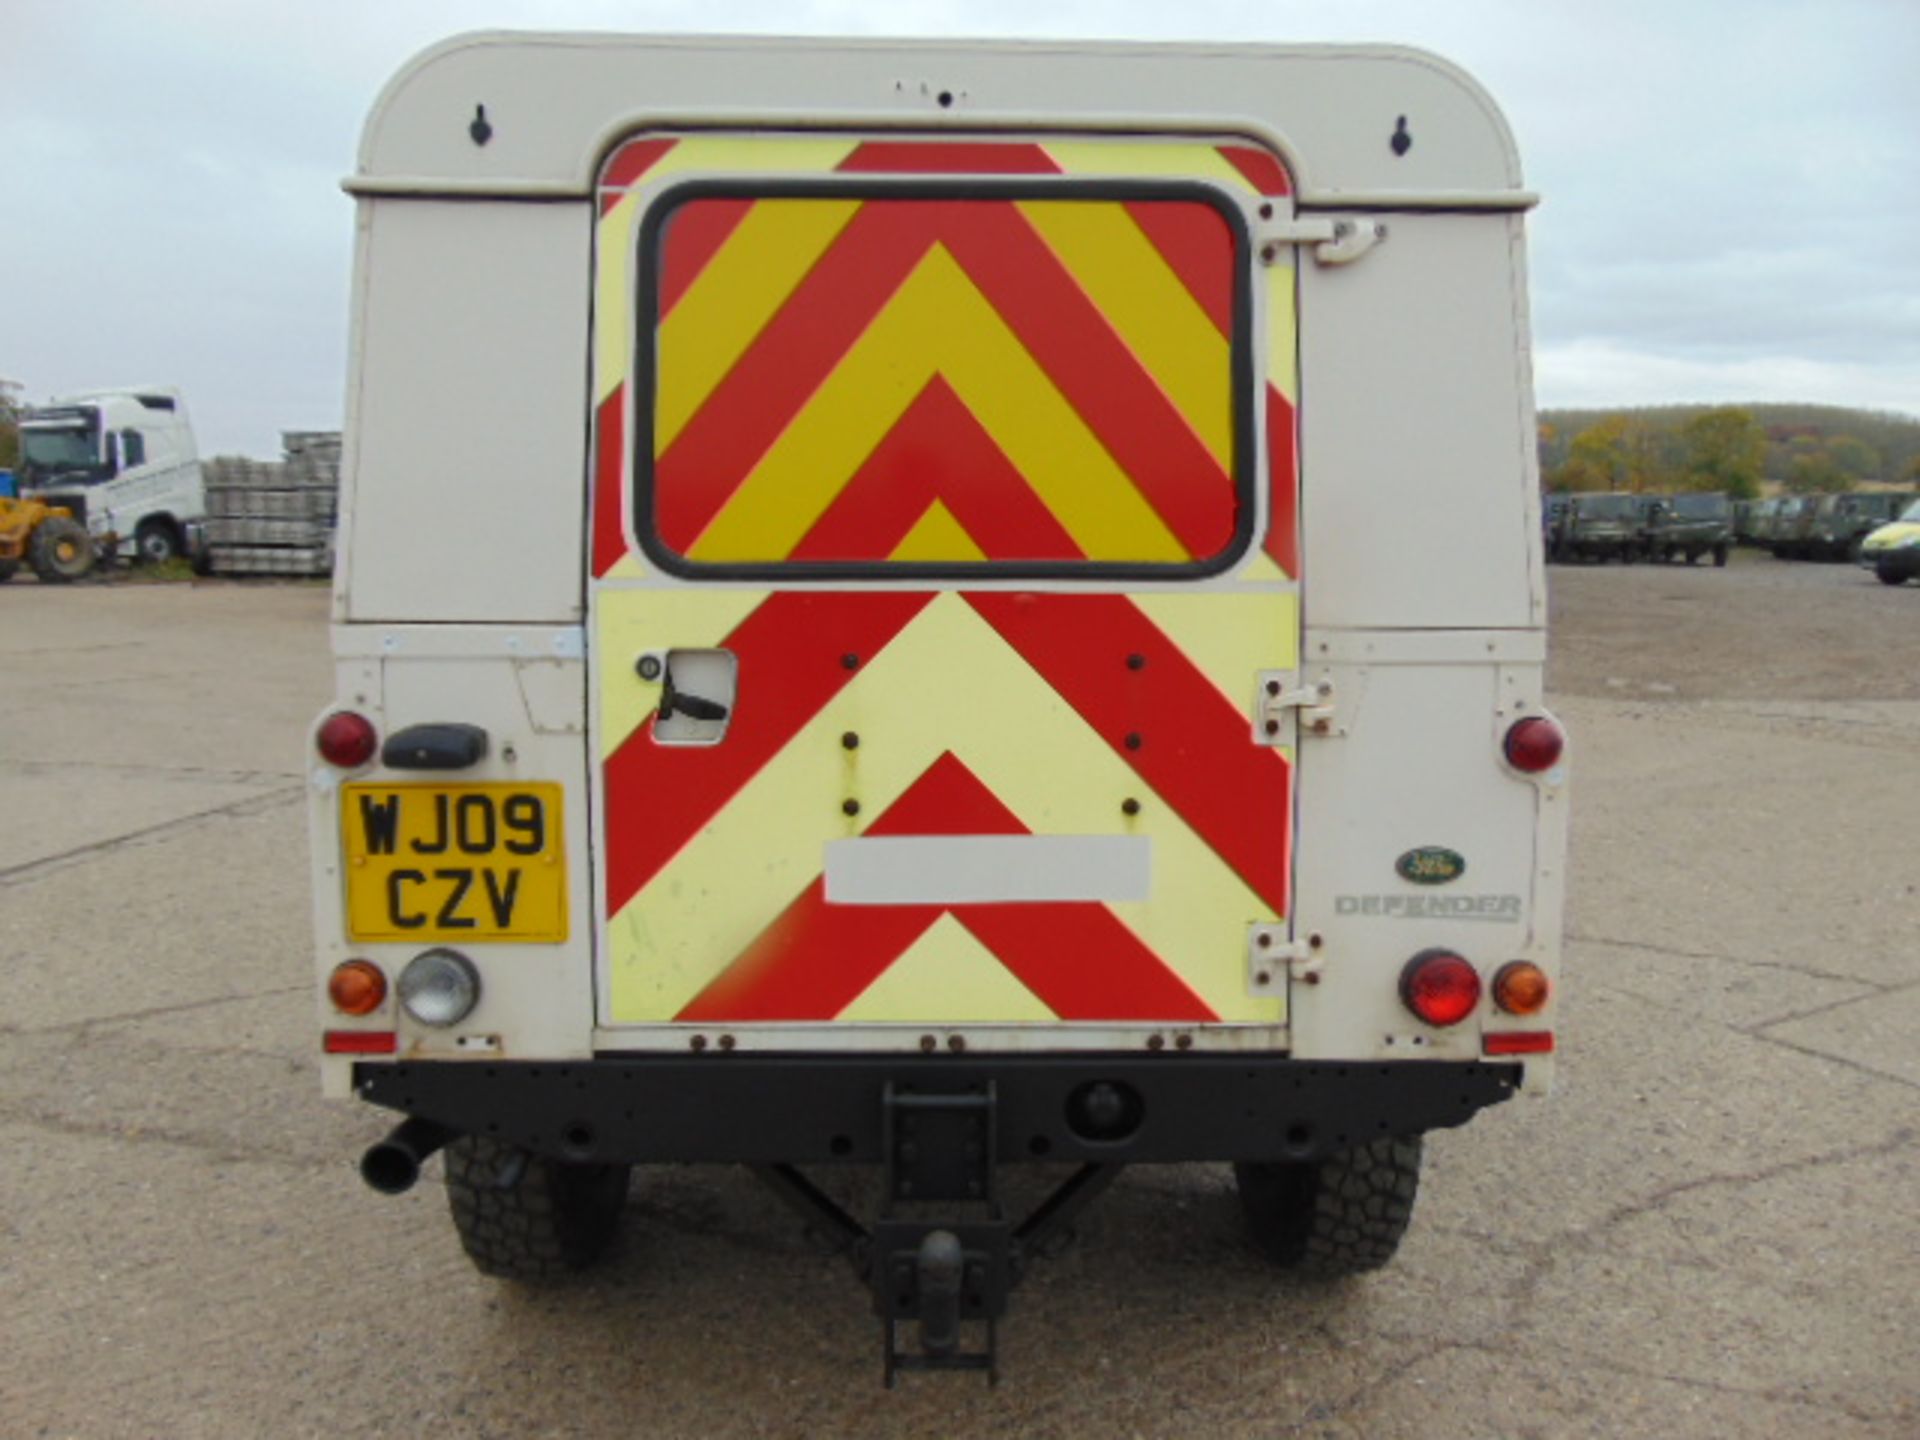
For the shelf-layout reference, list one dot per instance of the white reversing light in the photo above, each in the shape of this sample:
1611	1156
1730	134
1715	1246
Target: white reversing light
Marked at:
439	987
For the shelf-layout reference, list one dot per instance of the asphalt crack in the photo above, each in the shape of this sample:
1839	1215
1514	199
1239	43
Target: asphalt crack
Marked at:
236	809
216	1147
193	773
128	1017
1675	953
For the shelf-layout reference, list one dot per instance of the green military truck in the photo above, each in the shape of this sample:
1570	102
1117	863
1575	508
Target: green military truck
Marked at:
1791	535
1690	525
1601	527
1841	523
1760	522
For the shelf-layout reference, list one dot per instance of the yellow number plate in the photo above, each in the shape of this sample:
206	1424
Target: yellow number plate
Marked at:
454	862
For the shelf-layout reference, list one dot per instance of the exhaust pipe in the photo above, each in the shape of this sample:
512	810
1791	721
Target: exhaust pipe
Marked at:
392	1166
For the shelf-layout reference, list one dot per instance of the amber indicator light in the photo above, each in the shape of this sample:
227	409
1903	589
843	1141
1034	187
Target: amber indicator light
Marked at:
1521	988
357	987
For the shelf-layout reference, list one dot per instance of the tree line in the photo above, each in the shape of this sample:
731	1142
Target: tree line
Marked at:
10	408
1737	449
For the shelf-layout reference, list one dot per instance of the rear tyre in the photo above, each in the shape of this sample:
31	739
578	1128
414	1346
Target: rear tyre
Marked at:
1341	1215
61	550
157	541
524	1217
8	568
1720	555
1888	575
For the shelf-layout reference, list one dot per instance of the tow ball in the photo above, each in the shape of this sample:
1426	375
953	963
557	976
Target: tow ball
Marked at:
934	1276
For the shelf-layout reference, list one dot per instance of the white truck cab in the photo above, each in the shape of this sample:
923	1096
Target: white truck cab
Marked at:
936	605
124	461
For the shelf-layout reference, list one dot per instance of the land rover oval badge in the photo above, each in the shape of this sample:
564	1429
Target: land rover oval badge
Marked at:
1431	865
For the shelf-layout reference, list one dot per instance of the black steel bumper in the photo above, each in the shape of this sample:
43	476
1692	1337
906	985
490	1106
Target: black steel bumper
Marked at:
813	1109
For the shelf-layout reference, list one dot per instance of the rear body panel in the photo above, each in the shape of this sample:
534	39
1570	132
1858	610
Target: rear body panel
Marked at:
1188	367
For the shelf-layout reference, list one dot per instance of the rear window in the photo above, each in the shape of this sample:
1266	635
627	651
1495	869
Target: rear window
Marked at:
1011	378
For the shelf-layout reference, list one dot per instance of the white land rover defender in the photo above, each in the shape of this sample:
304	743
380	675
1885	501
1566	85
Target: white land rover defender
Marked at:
866	635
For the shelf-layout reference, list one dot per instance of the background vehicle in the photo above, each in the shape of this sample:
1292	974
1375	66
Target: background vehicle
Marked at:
1790	536
1603	527
122	461
1691	524
1893	551
1842	522
46	537
1554	524
900	742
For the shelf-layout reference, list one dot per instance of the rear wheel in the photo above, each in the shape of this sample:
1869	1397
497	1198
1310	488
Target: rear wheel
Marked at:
521	1216
1720	554
157	541
8	569
1340	1215
61	550
1889	575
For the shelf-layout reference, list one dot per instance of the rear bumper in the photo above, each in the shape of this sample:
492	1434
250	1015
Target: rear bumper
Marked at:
812	1109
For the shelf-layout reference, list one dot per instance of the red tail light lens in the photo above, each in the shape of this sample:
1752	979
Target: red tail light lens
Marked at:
346	739
1535	744
1440	987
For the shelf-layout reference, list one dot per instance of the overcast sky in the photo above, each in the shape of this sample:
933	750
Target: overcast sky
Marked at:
1731	187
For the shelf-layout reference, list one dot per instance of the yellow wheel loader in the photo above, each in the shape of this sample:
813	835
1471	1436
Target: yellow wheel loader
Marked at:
47	537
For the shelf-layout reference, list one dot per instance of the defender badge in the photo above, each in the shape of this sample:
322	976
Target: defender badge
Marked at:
1431	865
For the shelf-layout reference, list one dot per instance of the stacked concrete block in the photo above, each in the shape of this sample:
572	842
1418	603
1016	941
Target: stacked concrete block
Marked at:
275	517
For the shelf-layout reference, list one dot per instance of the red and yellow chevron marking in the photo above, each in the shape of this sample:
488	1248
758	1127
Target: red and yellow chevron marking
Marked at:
962	300
977	713
1094	362
838	378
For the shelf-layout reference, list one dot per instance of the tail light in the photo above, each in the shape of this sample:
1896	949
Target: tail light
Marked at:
1535	744
1521	988
346	739
357	987
1440	987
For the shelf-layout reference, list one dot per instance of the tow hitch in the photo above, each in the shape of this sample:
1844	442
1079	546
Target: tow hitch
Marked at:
934	1275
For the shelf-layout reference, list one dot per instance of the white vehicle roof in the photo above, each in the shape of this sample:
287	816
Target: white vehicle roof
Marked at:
554	104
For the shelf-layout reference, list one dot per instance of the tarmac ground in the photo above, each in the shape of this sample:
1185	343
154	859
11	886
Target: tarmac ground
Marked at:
1710	1229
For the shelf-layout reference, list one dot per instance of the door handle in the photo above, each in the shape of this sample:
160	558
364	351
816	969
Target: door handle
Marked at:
694	707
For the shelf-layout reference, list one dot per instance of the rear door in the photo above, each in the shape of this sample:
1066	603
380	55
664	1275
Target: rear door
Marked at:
945	618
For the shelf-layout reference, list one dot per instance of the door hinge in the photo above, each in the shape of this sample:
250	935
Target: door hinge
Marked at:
1272	957
1315	703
